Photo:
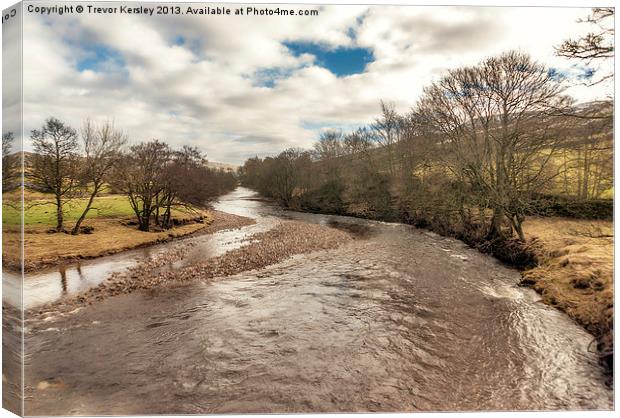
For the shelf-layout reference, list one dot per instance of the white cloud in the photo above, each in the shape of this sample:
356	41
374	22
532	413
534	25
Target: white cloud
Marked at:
196	79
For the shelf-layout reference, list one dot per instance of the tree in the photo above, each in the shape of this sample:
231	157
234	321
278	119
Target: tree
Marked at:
55	163
185	183
140	174
102	146
588	156
497	128
329	149
597	45
388	129
10	163
157	179
285	175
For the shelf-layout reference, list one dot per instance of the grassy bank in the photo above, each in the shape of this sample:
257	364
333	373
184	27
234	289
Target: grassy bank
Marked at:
111	218
575	273
40	211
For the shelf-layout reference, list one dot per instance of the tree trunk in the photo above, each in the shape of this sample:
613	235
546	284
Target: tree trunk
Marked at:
517	225
157	215
166	218
496	223
76	228
144	223
59	217
145	217
586	173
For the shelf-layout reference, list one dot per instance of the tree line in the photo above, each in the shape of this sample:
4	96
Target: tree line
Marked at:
156	178
471	157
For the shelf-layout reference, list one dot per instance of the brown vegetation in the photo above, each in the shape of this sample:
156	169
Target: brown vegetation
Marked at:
575	273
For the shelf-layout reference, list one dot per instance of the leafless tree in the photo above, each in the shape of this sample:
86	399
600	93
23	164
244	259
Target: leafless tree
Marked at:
10	163
184	184
597	45
286	176
140	174
55	163
388	128
495	122
102	146
587	158
328	150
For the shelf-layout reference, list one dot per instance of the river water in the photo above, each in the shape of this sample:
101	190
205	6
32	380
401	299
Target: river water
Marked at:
398	320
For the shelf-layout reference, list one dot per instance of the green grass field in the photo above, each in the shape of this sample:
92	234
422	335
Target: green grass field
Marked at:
43	211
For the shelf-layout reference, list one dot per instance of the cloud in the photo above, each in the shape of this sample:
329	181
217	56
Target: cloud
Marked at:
231	86
11	80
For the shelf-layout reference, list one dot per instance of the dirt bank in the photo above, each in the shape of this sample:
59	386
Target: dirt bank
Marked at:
111	236
286	239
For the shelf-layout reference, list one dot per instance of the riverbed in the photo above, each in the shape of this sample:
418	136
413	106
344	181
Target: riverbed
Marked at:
398	319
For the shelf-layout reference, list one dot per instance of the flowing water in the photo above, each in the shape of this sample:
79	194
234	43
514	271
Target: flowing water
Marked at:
398	320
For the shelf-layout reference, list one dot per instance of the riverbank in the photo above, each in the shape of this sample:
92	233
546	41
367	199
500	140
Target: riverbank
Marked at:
110	236
284	240
110	228
575	274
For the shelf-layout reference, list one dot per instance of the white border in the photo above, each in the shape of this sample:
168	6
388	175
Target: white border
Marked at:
523	3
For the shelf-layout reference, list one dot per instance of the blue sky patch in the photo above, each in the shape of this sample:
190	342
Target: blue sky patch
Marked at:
99	58
340	61
575	72
556	74
587	74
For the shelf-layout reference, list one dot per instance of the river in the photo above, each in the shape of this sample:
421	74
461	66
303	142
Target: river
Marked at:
398	320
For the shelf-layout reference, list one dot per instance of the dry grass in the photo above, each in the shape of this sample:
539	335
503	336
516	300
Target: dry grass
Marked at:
575	272
111	235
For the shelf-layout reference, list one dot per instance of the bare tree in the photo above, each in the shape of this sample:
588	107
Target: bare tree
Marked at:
184	184
157	179
588	154
102	146
10	163
328	150
285	176
415	150
388	130
55	163
140	175
597	45
496	126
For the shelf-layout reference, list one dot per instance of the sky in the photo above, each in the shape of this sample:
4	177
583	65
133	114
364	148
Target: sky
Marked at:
239	86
